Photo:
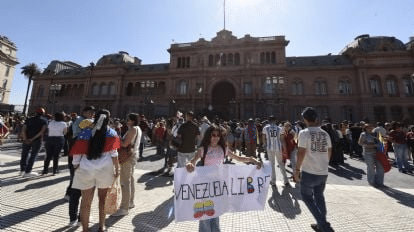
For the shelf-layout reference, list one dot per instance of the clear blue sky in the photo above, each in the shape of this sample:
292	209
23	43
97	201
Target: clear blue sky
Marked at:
83	31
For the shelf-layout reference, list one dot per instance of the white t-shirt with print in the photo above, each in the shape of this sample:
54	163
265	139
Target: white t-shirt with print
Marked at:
57	128
316	142
272	133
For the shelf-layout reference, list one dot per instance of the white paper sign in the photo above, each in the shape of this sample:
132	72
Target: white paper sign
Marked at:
209	191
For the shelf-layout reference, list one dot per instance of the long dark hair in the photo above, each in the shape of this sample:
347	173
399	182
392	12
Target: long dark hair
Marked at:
207	138
97	141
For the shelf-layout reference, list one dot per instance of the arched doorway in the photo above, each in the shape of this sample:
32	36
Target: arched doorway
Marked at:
222	96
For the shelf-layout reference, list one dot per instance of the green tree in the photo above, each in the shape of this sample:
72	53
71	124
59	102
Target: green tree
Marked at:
31	70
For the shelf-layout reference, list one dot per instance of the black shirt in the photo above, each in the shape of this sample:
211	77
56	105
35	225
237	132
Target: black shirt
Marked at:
34	125
188	131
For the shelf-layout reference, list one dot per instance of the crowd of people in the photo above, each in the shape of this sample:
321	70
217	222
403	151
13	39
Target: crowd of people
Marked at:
92	140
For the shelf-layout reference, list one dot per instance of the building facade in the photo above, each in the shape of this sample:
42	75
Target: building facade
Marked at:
8	62
239	78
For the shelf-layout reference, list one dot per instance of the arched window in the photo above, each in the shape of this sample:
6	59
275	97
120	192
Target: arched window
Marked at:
104	89
273	57
129	88
230	59
178	62
41	91
223	59
187	62
262	58
297	88
210	60
392	88
161	88
323	112
320	88
347	113
344	87
267	57
217	59
409	85
375	86
95	89
112	89
182	88
396	113
81	88
237	59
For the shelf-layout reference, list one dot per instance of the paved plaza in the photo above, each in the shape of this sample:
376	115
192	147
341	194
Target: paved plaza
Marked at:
37	204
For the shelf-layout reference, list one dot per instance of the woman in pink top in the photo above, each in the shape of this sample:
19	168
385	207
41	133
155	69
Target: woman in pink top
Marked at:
215	156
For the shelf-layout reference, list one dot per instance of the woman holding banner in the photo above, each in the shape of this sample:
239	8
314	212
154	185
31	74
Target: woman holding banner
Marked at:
213	152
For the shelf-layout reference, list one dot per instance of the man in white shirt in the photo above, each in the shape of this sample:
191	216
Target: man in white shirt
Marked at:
314	153
274	147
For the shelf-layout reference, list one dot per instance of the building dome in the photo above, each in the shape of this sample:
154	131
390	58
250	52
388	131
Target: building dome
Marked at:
118	58
366	43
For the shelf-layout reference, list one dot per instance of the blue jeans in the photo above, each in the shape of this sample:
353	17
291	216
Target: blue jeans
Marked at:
311	188
25	164
375	171
401	155
53	147
209	225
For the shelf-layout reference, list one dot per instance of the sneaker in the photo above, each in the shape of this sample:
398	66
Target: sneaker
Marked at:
131	206
31	174
315	227
74	223
21	173
120	212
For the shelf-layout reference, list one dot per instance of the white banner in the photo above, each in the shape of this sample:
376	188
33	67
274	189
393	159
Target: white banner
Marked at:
209	192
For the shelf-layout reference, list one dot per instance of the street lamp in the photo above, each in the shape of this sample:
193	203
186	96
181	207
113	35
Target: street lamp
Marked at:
54	89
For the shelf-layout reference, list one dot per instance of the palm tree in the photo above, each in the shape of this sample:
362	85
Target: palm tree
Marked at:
29	71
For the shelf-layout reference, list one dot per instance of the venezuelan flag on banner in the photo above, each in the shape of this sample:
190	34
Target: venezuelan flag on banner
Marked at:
81	145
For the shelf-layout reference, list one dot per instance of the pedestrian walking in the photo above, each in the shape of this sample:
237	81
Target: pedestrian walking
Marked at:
57	129
274	146
32	132
314	153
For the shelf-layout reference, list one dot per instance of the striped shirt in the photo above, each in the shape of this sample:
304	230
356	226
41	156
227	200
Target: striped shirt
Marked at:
272	133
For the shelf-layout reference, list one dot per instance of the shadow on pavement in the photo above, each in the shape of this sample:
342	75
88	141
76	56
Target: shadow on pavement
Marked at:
156	179
27	214
347	171
402	197
155	220
287	202
43	184
151	158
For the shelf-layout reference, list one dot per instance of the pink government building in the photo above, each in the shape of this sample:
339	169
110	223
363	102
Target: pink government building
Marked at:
372	78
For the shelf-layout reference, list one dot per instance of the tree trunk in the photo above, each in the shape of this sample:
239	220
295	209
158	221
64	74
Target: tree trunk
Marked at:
27	94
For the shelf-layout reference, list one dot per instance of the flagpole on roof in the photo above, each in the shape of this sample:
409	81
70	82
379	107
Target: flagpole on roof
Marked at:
224	6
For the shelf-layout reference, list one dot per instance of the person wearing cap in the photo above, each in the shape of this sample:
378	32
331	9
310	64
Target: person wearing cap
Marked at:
32	133
314	153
